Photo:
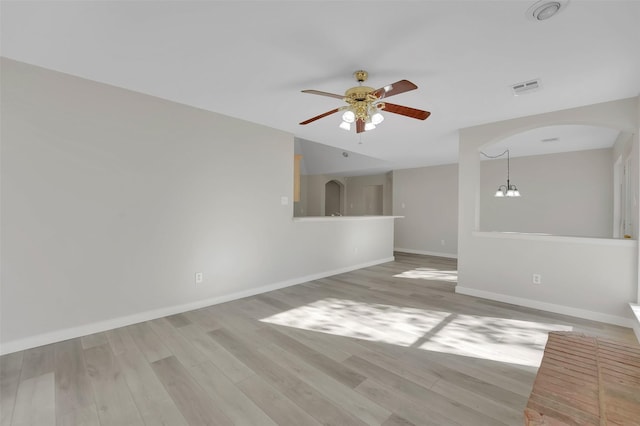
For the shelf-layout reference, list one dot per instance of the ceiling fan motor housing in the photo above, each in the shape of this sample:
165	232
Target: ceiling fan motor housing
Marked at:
360	99
360	93
361	75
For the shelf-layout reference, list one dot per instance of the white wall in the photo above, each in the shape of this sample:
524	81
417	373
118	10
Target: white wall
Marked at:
593	278
427	197
568	193
636	161
626	148
635	158
112	200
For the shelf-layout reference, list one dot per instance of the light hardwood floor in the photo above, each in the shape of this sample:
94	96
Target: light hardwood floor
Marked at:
386	345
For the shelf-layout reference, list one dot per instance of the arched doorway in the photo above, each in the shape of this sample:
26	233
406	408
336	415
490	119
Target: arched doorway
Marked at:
333	198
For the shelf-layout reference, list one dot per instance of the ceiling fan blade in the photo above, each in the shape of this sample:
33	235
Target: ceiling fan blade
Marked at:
359	126
394	89
406	111
318	92
318	117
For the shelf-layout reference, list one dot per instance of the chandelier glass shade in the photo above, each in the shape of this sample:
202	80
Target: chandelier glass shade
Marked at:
510	191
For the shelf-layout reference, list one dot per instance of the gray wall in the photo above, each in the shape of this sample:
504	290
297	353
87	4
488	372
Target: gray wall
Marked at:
355	193
568	194
313	196
427	197
112	200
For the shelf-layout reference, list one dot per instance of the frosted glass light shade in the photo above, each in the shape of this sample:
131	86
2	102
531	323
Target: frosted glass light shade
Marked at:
346	126
349	116
377	118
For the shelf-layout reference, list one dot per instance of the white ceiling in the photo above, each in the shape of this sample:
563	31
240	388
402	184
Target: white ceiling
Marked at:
553	139
251	59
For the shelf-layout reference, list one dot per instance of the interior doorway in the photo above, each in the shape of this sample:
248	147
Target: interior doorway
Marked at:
333	198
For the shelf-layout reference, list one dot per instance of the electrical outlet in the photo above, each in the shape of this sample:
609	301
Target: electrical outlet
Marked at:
537	279
441	242
199	277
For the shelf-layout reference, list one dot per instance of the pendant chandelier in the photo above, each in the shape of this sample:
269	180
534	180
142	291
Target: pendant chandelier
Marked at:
508	190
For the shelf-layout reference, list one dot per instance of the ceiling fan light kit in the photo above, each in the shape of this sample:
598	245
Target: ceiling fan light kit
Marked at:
364	104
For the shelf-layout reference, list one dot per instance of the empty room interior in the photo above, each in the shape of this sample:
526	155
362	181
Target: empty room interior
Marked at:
213	214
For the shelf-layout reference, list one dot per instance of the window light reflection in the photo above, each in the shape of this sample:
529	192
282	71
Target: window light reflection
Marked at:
430	274
499	339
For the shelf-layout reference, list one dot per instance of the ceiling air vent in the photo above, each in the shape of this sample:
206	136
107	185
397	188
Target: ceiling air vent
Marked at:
526	87
549	140
545	9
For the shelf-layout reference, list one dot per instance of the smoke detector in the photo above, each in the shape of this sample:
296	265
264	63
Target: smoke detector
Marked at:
545	9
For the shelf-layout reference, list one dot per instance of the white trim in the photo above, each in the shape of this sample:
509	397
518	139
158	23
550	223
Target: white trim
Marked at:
550	307
341	218
635	308
97	327
426	253
621	242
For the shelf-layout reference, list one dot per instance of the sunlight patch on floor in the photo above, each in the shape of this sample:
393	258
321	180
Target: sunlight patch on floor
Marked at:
492	338
430	274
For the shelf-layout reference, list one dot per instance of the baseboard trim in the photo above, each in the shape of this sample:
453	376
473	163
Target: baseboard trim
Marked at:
426	253
550	307
100	326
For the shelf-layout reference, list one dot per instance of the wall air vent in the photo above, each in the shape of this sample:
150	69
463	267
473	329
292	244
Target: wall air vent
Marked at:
526	87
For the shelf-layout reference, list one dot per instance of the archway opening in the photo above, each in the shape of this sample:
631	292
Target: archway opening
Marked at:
575	180
333	205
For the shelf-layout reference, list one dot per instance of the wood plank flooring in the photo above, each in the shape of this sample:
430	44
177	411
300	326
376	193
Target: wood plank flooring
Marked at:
386	345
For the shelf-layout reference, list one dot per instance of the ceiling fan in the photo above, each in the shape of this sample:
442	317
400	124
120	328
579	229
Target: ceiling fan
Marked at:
365	104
